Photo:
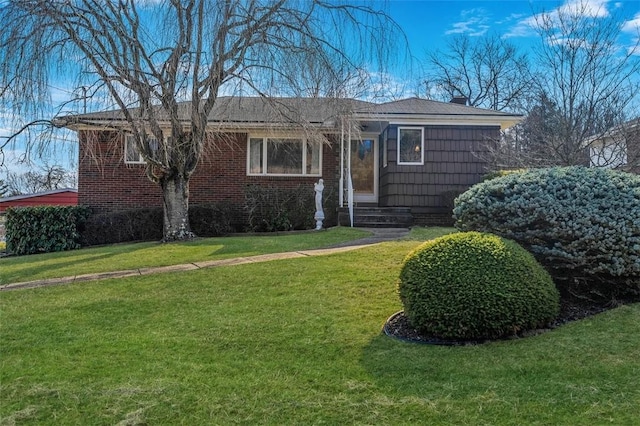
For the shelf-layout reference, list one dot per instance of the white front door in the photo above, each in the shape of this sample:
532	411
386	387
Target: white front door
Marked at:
364	170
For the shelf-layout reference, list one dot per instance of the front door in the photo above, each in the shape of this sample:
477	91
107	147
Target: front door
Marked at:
364	170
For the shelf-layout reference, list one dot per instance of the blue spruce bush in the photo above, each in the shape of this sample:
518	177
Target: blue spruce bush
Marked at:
584	220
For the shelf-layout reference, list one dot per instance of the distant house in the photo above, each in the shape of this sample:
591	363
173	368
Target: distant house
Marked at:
56	197
617	148
377	160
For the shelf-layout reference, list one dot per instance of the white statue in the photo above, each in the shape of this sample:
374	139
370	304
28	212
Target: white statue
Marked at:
319	216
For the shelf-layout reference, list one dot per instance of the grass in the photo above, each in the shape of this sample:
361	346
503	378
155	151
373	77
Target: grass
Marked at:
293	342
149	254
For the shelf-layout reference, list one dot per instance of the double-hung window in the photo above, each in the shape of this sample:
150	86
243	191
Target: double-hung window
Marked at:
131	153
284	156
410	145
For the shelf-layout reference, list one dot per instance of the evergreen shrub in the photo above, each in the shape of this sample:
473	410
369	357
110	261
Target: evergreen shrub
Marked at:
576	219
44	229
475	286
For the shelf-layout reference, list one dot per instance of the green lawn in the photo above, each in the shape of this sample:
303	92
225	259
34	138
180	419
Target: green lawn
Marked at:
150	254
293	342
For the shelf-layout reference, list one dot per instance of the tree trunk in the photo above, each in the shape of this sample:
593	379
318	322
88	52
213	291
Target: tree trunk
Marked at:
175	197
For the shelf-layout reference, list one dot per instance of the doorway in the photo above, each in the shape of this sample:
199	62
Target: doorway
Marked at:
364	170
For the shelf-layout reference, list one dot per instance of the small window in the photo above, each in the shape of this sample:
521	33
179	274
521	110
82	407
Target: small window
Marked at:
411	145
284	156
131	153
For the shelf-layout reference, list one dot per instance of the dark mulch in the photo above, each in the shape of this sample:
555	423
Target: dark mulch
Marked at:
397	326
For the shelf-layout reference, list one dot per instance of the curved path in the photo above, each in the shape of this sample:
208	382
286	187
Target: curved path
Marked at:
378	235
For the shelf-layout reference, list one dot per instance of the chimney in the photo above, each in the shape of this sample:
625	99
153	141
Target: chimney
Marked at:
460	100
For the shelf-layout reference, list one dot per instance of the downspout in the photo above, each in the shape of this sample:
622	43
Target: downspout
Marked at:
349	181
341	182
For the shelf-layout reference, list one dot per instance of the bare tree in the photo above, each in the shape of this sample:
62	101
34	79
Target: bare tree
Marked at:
4	188
488	71
45	178
150	55
588	78
618	147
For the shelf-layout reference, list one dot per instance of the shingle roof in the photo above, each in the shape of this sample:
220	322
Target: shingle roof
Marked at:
257	110
417	106
254	110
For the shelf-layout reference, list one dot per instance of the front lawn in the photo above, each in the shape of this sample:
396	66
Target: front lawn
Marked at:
293	342
120	257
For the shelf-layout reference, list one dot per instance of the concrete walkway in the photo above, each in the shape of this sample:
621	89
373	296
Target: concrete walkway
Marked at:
378	235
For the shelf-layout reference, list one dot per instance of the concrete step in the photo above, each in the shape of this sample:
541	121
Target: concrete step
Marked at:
377	217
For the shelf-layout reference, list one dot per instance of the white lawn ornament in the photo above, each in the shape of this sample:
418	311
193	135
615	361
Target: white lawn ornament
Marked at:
319	216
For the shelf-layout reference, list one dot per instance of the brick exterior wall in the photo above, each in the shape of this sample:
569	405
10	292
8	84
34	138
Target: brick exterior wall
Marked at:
107	184
452	163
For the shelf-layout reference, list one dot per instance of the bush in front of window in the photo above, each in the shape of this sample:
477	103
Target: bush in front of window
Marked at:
215	219
272	208
473	286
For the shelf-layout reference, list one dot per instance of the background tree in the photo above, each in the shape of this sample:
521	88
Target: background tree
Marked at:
588	77
4	188
44	178
151	55
618	147
489	71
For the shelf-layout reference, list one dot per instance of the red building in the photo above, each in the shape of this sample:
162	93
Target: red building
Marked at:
56	197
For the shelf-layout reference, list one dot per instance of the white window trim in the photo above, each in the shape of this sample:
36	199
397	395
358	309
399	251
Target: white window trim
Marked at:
404	163
127	140
264	156
385	155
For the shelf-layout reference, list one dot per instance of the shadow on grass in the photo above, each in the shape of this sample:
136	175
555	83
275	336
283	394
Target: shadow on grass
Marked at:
28	267
563	373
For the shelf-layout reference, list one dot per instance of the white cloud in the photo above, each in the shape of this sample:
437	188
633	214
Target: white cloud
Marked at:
524	28
576	8
585	8
632	26
511	18
475	22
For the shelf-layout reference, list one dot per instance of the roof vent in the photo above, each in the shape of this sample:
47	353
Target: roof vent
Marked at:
460	100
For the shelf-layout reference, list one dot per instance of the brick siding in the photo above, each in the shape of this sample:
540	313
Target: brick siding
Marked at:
106	183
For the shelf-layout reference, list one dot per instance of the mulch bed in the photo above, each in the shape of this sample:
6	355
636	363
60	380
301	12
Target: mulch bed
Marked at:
398	327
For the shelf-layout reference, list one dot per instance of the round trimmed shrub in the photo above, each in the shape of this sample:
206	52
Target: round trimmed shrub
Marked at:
577	219
474	286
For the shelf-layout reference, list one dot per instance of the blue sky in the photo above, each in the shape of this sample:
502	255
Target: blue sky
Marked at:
427	25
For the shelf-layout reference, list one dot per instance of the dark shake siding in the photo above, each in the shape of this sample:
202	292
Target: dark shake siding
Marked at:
454	159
